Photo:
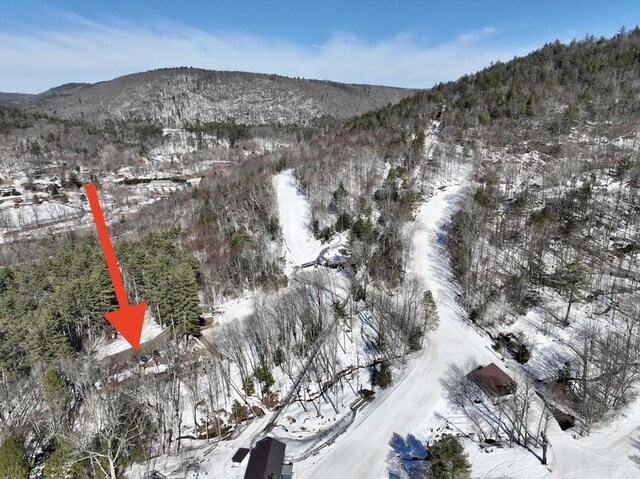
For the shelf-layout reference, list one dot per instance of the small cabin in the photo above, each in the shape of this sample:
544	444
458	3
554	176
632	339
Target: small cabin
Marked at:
494	382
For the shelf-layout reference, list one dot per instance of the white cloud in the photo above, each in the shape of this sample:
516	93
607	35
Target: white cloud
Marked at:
476	35
85	51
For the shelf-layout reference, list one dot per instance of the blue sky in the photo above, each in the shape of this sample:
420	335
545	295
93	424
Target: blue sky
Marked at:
395	42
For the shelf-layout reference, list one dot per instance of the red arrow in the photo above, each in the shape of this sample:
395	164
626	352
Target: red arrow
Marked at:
129	318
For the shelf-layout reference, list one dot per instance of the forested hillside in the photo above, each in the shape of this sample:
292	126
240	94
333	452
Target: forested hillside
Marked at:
175	96
52	309
548	239
35	139
549	90
539	155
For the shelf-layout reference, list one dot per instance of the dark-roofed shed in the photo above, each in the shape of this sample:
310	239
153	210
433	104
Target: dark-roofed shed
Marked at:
367	393
240	454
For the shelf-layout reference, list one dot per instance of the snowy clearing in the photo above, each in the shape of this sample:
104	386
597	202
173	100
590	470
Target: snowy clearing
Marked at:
299	244
150	329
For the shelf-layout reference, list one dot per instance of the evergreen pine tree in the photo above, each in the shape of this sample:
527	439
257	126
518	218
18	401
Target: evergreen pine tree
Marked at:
448	460
13	458
571	279
188	301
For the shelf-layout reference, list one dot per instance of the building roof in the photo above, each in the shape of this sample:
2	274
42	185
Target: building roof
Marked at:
493	381
266	459
367	393
240	454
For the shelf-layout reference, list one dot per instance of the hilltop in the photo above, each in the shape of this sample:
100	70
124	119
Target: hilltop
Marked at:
175	96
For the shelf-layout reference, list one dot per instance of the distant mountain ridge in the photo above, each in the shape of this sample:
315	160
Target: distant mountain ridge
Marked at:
175	96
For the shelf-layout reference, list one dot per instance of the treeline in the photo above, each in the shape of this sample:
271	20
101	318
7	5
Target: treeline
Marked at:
41	140
51	308
305	330
229	130
15	117
365	187
553	87
229	222
235	132
233	228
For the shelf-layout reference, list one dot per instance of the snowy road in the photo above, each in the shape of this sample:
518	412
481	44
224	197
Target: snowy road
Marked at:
612	450
362	451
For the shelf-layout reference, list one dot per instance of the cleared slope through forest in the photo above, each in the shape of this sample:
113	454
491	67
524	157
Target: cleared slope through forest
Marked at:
295	214
362	451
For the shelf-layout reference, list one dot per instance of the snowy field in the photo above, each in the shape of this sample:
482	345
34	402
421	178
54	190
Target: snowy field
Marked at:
30	215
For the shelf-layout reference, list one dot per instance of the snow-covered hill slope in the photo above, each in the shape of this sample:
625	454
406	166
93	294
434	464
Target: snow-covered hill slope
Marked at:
177	95
416	401
362	451
295	215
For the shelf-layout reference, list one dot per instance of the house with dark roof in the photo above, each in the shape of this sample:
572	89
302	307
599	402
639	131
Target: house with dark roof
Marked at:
266	459
493	381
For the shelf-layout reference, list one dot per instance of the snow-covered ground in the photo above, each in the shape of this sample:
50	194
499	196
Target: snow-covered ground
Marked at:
295	216
211	460
150	329
362	451
612	449
233	310
30	215
415	405
43	212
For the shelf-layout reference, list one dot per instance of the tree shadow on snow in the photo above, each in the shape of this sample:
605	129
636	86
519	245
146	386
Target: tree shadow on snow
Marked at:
408	447
407	454
443	234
